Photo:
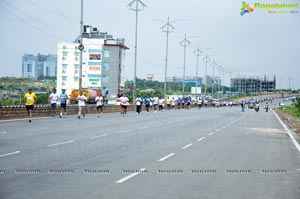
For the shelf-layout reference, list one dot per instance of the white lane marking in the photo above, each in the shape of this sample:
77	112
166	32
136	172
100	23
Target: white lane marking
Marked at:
288	131
224	127
187	146
16	152
130	176
61	143
166	157
125	131
98	136
157	125
211	133
68	125
201	139
218	130
142	128
36	129
2	133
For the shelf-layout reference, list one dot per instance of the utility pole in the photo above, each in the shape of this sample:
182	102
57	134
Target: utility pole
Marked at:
184	43
167	28
197	52
213	77
80	47
136	9
206	60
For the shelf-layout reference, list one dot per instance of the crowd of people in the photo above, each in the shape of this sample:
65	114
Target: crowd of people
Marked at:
150	103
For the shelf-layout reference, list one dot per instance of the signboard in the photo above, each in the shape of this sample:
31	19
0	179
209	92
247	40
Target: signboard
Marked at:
196	90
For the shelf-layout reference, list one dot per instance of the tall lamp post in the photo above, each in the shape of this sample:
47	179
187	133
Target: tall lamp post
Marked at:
206	59
213	65
136	9
197	52
167	28
80	47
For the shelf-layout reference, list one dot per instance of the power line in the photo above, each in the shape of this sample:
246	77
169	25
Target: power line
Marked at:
63	16
33	26
52	12
38	20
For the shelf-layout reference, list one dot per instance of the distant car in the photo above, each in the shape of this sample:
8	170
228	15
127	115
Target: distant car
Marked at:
251	105
281	104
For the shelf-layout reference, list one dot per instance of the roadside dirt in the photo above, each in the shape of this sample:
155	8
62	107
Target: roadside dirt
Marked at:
289	120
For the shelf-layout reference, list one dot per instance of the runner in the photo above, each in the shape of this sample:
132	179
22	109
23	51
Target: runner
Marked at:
199	103
53	100
178	103
161	103
205	103
173	103
188	102
99	103
169	102
124	103
155	103
63	103
81	104
147	103
30	99
182	102
138	103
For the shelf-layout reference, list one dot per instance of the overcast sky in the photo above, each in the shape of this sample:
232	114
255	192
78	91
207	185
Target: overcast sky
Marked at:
252	45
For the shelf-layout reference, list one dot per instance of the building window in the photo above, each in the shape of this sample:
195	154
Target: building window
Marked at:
77	54
76	66
106	53
105	78
65	53
105	66
76	79
29	68
64	78
64	66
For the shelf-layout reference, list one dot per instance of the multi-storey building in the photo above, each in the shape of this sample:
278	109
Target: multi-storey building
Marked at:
34	66
102	63
253	85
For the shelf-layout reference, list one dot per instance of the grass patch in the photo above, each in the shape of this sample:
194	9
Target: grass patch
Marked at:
291	110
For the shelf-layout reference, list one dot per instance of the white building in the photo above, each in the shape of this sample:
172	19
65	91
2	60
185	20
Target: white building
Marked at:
102	63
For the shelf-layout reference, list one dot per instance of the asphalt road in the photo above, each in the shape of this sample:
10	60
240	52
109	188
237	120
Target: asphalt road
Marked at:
207	153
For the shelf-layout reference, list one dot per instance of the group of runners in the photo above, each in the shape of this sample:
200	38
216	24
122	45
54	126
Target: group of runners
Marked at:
55	99
155	103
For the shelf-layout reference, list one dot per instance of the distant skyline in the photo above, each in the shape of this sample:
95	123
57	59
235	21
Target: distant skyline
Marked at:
260	42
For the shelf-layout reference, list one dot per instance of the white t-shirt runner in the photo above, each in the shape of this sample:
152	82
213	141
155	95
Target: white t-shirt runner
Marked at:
81	100
99	101
54	98
155	100
124	101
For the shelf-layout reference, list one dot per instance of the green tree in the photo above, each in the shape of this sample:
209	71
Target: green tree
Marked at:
297	103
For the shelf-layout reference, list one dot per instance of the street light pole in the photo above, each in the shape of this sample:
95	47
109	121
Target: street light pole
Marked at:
184	43
213	77
197	52
206	60
81	49
167	28
136	9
